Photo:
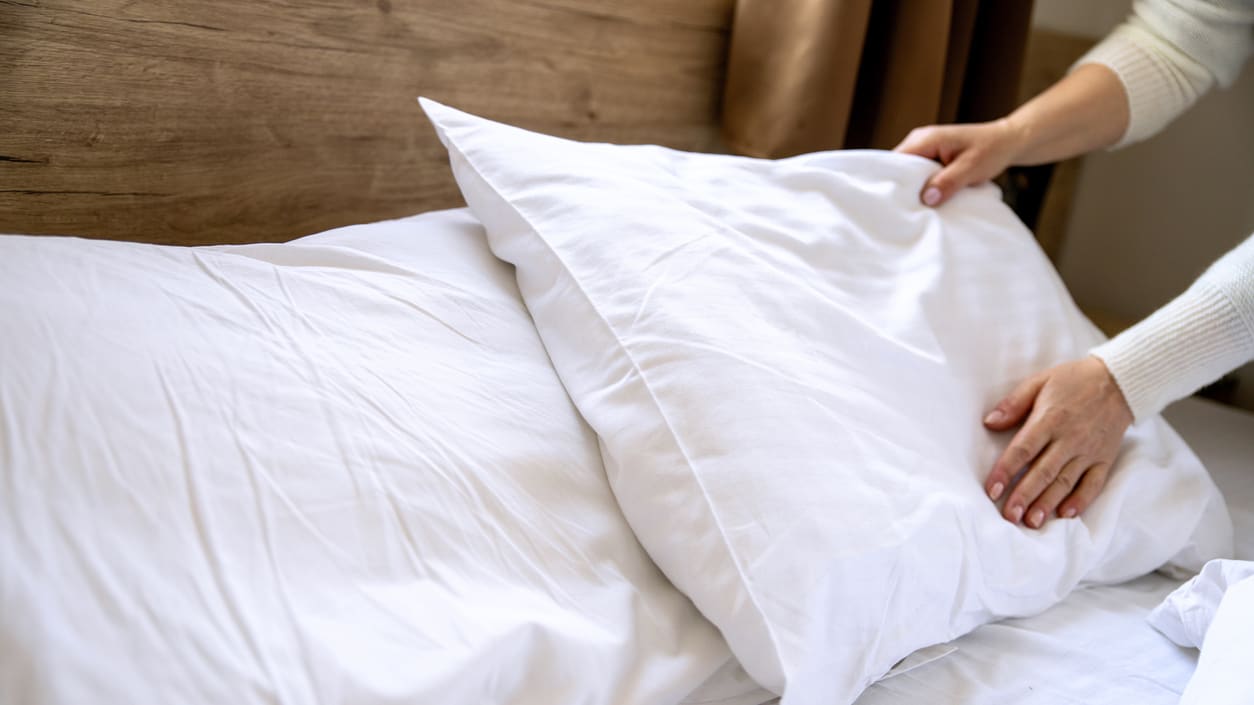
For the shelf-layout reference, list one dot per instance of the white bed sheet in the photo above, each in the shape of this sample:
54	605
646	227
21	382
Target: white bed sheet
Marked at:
1095	647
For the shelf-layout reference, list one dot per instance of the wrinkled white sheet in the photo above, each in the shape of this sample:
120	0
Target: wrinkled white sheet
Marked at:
335	471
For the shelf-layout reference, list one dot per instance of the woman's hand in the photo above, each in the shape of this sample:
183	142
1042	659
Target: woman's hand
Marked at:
1086	110
971	154
1076	418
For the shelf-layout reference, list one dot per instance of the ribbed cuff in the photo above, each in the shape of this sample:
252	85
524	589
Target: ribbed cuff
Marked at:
1157	89
1182	347
1234	275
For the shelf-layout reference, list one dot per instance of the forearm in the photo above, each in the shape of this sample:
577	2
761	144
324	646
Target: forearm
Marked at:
1086	110
1192	341
1148	71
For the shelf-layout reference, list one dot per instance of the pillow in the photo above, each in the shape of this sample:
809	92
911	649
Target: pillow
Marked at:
1186	614
336	470
787	363
1223	668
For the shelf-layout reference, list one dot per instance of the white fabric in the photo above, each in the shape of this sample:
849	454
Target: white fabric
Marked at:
1223	674
1224	439
1187	613
729	685
786	363
340	470
1095	647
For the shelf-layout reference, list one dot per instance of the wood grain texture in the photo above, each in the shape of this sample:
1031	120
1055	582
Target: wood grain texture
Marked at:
262	120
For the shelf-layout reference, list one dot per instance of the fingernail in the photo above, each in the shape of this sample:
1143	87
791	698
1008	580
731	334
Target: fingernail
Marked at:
1016	513
994	416
931	196
1068	513
995	491
1036	519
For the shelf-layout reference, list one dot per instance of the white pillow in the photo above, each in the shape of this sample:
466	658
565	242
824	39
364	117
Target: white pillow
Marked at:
787	363
1186	614
1223	668
339	470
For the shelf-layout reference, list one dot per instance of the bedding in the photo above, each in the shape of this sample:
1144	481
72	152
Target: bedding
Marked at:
1096	647
1186	614
1223	667
1214	612
786	363
336	470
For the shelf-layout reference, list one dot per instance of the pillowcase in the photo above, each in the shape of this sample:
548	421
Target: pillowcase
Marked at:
1223	668
787	363
1186	614
336	470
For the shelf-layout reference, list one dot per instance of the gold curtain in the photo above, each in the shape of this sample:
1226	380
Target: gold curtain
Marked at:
808	75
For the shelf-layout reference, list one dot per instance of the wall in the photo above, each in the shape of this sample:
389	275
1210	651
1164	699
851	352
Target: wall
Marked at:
1146	220
1083	17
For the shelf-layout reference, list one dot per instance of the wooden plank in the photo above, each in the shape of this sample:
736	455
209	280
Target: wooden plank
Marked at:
242	121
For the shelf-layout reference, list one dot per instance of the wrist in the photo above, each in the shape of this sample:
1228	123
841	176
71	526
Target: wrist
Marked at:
1018	132
1108	388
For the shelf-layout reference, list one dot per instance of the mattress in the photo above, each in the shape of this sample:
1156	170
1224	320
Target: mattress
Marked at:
1095	647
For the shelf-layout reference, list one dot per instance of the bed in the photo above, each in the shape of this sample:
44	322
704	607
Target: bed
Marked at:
348	468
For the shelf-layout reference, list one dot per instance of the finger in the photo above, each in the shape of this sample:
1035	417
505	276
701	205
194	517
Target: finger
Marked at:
955	176
1012	409
1023	449
1056	492
922	141
1090	486
1042	472
947	145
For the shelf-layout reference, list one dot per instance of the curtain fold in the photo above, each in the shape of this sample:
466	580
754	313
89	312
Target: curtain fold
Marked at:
808	75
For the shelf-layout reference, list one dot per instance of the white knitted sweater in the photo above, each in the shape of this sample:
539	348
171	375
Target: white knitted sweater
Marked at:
1167	54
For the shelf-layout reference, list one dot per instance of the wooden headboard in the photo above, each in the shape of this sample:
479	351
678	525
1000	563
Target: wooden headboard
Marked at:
229	121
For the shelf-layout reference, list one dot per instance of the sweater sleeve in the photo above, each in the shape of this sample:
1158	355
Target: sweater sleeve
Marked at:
1170	52
1204	333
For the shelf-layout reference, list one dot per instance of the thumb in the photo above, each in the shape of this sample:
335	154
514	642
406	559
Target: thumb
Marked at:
951	179
1012	409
